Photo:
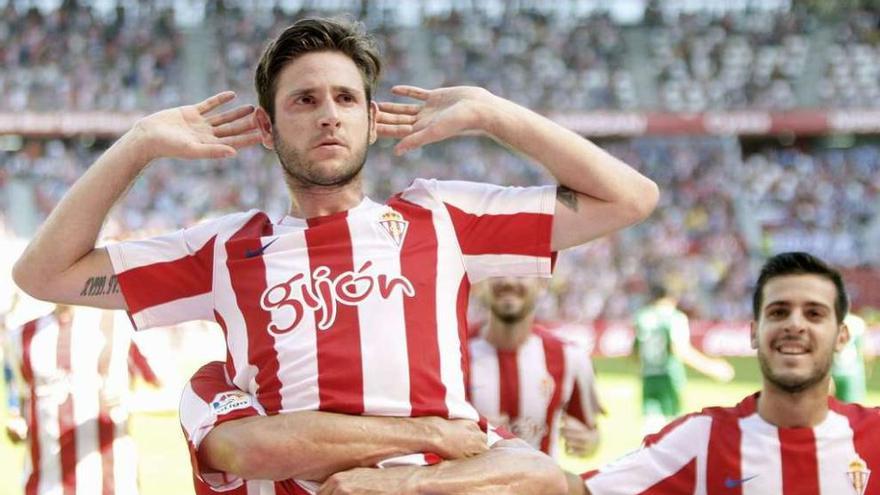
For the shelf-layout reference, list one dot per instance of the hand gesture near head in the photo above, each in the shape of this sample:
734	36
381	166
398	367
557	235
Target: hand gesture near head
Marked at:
441	114
192	132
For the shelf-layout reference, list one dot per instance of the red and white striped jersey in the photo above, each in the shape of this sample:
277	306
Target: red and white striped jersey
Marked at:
74	379
360	312
734	451
527	390
210	399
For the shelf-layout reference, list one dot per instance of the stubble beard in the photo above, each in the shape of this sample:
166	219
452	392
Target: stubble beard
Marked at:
795	384
300	173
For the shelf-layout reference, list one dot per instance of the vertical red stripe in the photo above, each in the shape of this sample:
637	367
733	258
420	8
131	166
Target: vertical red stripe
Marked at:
508	383
106	434
683	481
139	365
418	263
723	460
340	369
248	277
66	422
27	372
554	357
800	467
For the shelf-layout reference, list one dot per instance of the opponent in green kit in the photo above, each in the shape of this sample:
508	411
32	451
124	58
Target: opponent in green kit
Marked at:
662	344
848	370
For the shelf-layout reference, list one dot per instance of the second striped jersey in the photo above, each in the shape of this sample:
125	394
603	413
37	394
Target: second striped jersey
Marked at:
734	451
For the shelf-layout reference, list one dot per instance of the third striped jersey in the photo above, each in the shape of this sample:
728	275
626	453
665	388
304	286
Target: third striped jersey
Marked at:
528	389
734	451
359	312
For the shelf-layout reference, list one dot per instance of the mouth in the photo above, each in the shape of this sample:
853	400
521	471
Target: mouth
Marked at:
792	348
330	143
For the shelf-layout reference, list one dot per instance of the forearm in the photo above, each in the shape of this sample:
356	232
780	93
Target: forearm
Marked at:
70	232
576	485
310	445
574	161
510	467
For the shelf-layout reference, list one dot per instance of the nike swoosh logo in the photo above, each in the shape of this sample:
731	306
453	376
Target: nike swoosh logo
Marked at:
252	253
732	483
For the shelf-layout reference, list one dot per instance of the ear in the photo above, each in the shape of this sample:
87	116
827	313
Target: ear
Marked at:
753	334
842	337
264	124
373	116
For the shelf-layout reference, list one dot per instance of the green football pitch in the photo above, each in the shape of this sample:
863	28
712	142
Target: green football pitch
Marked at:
165	467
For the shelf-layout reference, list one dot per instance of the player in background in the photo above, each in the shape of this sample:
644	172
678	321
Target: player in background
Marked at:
217	417
848	372
344	305
790	438
526	379
71	371
663	346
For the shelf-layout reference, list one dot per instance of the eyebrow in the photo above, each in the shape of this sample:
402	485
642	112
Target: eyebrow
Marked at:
336	89
774	304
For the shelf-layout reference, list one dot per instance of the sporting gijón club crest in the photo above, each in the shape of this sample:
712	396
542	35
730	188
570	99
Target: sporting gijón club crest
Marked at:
323	293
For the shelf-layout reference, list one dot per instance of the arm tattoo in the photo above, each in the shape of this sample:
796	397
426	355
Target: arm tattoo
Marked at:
100	285
567	197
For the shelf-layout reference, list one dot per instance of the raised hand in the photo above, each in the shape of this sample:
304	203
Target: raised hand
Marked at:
443	113
189	132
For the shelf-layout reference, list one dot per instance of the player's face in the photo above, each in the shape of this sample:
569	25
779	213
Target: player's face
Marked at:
797	332
510	299
323	123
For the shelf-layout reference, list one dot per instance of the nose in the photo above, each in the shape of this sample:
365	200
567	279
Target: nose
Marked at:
796	323
329	115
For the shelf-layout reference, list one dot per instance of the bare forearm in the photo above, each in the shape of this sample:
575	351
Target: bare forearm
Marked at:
310	445
72	229
508	468
574	161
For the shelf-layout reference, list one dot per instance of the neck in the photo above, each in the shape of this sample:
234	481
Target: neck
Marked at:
317	201
804	409
509	336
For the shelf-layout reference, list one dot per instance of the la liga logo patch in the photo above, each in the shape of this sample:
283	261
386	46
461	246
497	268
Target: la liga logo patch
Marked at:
226	402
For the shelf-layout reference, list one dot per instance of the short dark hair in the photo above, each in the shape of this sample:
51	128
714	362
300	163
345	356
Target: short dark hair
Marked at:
316	35
799	263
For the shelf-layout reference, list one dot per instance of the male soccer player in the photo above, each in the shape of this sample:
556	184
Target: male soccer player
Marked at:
344	305
791	438
848	368
71	368
524	378
663	346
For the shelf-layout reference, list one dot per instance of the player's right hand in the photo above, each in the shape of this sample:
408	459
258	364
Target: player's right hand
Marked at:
189	132
455	438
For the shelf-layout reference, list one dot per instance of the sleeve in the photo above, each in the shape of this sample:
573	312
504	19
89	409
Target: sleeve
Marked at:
209	400
667	463
168	279
502	231
584	401
680	329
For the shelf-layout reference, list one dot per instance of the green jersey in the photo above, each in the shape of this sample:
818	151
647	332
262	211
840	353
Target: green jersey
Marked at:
850	361
657	328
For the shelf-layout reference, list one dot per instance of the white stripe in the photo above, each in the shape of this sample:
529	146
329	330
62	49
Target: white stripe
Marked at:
489	199
185	308
485	380
86	343
450	274
385	366
834	452
297	349
196	415
534	383
759	454
483	266
44	364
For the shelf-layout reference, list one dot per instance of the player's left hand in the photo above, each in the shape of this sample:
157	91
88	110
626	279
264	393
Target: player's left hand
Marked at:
370	481
580	439
443	113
